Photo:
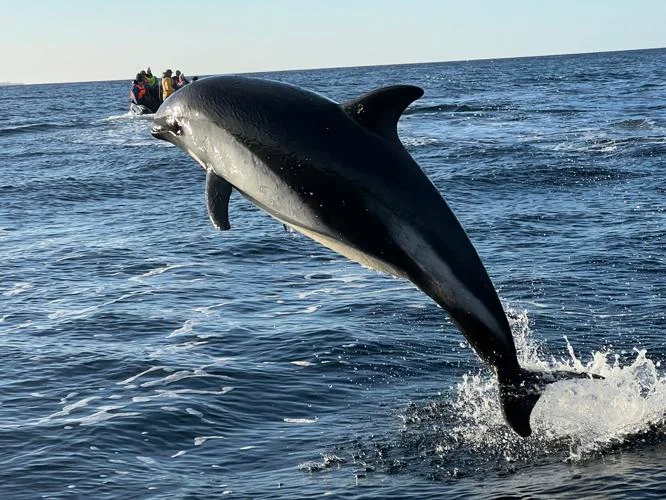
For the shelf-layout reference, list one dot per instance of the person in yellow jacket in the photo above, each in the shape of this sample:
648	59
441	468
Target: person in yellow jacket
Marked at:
167	85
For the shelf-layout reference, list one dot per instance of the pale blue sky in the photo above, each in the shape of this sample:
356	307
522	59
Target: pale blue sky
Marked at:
84	40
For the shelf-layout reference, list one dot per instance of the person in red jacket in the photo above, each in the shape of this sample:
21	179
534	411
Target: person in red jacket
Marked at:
138	90
139	95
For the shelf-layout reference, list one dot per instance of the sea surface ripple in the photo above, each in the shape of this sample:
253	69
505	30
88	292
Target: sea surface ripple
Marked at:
147	355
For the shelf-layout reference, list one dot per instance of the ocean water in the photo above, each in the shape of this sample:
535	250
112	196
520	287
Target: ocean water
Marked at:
147	355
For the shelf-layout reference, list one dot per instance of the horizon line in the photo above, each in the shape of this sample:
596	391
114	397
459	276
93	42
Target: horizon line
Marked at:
316	68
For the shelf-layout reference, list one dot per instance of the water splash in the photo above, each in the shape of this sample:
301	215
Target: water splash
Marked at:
591	415
464	434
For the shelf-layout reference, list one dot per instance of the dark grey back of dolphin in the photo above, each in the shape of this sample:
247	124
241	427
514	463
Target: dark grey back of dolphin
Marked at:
340	174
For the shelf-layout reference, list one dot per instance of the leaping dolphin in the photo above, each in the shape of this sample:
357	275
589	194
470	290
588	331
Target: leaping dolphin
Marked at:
340	175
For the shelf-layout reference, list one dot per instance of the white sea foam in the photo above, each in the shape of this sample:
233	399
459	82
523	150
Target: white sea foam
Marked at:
198	441
307	310
141	374
208	310
302	364
419	141
106	413
25	324
16	289
591	413
69	313
178	375
187	327
157	271
67	409
77	412
181	393
72	314
310	293
124	116
301	420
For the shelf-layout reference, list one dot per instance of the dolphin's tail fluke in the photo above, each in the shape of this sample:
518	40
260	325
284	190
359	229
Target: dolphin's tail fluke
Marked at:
519	396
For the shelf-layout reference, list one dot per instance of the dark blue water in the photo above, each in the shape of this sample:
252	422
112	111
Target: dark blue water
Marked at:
147	355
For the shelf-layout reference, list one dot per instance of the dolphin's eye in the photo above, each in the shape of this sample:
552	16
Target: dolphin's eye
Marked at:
175	128
173	125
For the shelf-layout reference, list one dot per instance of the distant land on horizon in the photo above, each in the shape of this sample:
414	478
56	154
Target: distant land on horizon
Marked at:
9	84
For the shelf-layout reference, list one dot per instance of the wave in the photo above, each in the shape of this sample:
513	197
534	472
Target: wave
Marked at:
35	128
635	124
523	176
453	108
17	289
564	111
486	108
156	271
50	127
636	146
127	116
463	433
417	142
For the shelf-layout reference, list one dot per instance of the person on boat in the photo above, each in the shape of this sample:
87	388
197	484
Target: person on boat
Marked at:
152	84
182	81
167	85
139	95
137	91
175	78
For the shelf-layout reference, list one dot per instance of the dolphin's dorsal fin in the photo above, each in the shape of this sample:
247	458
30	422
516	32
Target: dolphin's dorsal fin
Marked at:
380	110
218	191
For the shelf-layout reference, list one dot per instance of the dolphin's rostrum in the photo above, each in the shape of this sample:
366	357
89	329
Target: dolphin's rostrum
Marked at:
340	175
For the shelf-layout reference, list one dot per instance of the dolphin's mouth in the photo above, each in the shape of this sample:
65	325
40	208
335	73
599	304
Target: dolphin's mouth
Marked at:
157	131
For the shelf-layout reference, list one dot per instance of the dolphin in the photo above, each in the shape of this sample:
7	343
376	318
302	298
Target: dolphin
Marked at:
339	174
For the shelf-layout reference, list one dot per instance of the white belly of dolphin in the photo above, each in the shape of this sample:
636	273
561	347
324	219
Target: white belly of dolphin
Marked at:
350	252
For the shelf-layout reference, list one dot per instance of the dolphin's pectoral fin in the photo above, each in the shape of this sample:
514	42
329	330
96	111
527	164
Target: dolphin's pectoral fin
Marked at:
380	110
218	191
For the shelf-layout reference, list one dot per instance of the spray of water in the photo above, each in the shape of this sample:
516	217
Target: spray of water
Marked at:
453	437
590	415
